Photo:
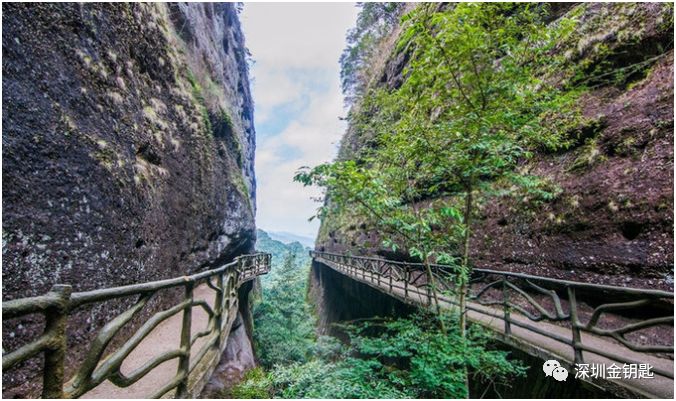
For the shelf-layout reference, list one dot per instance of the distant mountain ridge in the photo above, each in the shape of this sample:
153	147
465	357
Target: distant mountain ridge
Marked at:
287	238
280	253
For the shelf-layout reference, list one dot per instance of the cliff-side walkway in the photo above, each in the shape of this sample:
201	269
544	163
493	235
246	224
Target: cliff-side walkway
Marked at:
170	353
542	329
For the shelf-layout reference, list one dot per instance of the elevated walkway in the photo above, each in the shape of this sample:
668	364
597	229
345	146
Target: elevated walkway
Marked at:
547	326
171	354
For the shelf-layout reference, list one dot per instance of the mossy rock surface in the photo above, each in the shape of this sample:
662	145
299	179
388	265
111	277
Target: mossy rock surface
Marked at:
111	173
617	174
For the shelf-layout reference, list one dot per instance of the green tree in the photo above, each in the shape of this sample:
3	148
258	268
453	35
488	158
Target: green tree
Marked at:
401	358
478	100
375	21
284	324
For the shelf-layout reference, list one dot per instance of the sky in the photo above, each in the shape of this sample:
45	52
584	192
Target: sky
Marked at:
298	102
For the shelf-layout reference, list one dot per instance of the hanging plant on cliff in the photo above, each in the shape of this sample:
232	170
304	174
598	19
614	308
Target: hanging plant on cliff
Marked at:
375	21
477	101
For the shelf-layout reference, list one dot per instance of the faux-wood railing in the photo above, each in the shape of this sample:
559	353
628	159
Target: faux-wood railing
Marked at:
58	304
508	293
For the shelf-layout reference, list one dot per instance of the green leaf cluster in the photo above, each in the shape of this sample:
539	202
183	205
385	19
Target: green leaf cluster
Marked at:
284	324
403	358
477	102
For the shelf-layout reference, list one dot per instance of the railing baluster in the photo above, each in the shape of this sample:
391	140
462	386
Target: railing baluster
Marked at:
390	280
184	360
575	326
55	325
407	275
60	301
218	307
505	306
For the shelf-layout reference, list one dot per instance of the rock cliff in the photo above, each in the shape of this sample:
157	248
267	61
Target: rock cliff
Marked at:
613	222
128	147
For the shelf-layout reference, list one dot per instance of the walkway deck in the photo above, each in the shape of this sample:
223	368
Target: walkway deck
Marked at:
172	353
163	339
536	344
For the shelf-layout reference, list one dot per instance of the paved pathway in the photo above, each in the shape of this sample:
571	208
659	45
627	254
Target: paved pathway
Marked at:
165	337
543	346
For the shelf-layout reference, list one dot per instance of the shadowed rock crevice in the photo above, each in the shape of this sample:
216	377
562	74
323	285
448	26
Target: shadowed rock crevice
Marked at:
339	299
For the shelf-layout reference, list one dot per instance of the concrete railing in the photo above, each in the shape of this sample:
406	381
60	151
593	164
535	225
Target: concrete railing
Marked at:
98	366
499	294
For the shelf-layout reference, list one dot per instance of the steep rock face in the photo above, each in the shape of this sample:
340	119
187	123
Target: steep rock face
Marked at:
613	222
113	172
238	357
128	147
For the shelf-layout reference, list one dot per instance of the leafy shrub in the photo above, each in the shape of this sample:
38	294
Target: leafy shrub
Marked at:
253	385
402	358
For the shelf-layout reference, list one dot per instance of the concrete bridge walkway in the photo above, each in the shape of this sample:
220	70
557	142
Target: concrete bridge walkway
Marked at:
171	353
537	344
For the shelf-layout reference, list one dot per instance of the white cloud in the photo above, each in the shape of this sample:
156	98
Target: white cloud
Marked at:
275	88
297	35
296	89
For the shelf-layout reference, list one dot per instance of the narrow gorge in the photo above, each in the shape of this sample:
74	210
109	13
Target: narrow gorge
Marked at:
496	195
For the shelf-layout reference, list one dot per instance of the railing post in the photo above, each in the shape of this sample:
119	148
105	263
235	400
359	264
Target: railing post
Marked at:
56	319
574	324
505	306
218	306
390	280
238	272
406	277
184	360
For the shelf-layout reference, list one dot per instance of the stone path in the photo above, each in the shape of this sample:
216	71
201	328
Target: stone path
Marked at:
534	343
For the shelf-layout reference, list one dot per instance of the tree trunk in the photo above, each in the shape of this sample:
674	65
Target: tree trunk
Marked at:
465	273
430	280
464	277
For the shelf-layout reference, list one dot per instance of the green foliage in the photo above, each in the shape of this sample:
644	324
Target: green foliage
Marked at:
283	320
383	195
433	361
375	21
404	358
226	120
473	108
281	252
349	378
477	102
611	48
198	94
588	155
254	385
